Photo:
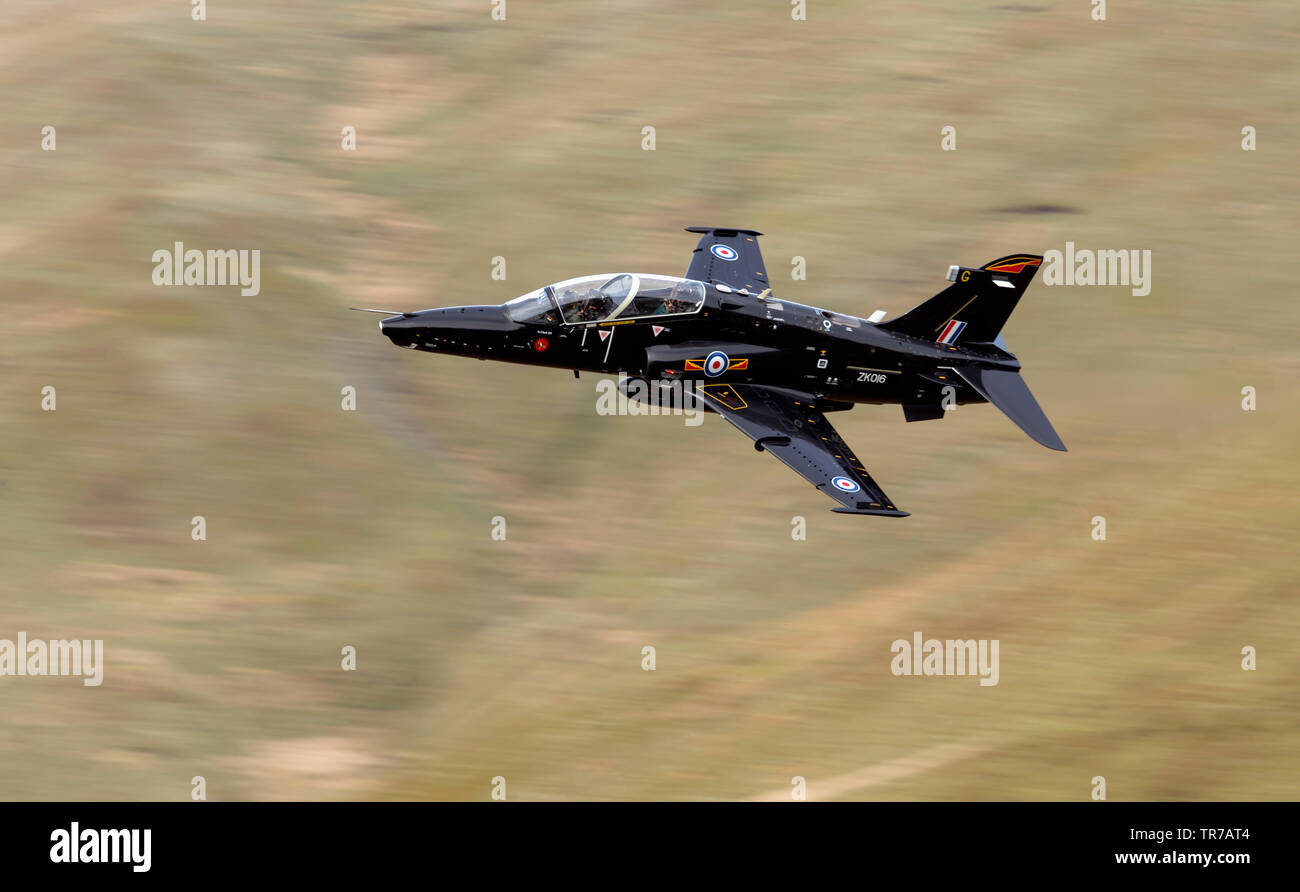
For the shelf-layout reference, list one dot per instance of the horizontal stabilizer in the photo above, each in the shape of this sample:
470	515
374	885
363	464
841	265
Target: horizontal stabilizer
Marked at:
1008	391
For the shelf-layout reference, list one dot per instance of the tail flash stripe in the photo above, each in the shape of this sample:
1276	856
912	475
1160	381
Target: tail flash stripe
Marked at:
950	332
1014	265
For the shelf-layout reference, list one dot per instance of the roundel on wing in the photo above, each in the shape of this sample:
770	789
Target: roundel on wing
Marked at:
716	363
724	252
844	484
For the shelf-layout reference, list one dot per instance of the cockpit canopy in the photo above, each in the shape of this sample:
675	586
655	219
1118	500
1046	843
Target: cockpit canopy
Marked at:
610	296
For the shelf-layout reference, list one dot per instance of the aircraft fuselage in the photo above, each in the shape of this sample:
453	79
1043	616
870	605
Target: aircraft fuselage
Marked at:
835	356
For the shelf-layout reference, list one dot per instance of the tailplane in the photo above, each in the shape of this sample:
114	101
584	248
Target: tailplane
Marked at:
1009	392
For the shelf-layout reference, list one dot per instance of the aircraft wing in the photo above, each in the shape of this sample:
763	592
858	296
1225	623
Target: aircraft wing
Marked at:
728	256
785	423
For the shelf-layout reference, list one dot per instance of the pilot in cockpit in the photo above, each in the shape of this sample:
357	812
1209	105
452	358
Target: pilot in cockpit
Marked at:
671	304
588	305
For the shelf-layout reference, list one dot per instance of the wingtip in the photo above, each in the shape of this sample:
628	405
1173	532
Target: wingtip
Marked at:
708	229
878	512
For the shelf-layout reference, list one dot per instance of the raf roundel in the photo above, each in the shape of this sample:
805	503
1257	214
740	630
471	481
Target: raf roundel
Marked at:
724	252
844	484
716	364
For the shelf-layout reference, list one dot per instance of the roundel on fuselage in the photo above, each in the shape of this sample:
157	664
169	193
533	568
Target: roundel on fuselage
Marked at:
716	363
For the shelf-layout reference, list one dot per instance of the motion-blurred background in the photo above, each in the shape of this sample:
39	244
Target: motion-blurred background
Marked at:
522	659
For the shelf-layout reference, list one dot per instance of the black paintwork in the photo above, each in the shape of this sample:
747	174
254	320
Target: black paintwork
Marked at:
802	361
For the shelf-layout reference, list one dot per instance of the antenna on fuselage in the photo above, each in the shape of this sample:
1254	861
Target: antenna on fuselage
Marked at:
385	312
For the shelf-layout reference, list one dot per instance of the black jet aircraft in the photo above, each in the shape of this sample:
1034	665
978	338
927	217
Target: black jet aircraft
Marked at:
771	367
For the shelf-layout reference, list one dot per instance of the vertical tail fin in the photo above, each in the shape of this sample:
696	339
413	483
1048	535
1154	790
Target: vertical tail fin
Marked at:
975	306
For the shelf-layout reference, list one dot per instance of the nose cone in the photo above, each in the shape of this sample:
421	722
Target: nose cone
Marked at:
448	327
401	330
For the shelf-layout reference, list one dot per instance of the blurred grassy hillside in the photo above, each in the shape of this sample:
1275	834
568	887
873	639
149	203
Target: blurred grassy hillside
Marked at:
522	658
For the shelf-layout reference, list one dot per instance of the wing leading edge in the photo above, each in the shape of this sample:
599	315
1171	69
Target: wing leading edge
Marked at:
786	424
